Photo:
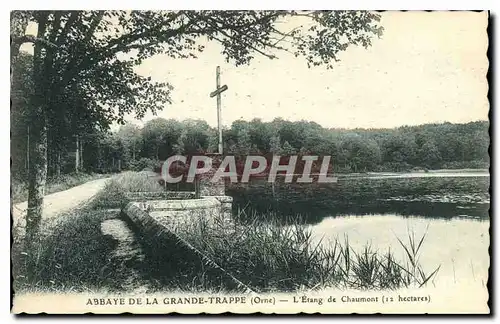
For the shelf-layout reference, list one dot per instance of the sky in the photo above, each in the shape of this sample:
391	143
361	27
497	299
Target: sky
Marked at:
428	67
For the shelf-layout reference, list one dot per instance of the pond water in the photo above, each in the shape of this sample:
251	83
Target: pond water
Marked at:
459	246
450	208
443	195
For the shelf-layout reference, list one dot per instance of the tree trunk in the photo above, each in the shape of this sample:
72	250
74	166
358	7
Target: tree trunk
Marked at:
99	158
77	155
58	164
28	152
38	152
37	179
81	156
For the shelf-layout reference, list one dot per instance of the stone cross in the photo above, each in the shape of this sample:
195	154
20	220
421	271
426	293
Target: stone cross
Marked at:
217	93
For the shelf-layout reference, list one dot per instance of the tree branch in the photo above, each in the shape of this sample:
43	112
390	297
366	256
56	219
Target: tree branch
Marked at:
132	37
93	25
232	37
73	17
32	39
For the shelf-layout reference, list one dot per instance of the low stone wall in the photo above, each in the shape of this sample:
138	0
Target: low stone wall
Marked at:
156	232
178	214
175	213
165	195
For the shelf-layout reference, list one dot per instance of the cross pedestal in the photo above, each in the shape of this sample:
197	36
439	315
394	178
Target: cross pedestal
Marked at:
216	189
207	187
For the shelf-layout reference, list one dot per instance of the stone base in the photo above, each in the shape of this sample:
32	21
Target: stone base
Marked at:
175	213
209	188
226	207
166	195
206	186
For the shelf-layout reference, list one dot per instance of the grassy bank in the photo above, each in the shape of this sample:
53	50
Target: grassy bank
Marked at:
19	189
270	257
73	256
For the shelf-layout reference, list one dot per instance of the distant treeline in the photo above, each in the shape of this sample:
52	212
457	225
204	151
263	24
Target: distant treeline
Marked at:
78	138
431	146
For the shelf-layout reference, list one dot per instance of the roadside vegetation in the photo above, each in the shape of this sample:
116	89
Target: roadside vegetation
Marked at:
73	256
113	193
74	253
19	188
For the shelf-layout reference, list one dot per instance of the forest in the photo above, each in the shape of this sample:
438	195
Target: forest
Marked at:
76	146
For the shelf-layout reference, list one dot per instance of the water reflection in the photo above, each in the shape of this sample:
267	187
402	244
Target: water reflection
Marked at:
430	197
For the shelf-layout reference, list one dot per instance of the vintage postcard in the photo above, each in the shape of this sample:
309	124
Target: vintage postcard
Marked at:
250	161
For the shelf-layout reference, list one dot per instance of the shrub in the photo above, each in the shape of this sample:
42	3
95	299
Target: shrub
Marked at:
475	164
113	194
144	164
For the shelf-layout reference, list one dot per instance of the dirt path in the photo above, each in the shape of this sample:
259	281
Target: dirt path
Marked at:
61	201
127	256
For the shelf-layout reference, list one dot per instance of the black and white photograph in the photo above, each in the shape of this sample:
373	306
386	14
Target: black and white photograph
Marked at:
245	161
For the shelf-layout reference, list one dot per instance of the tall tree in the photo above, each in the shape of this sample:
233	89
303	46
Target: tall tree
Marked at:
22	90
130	136
275	144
